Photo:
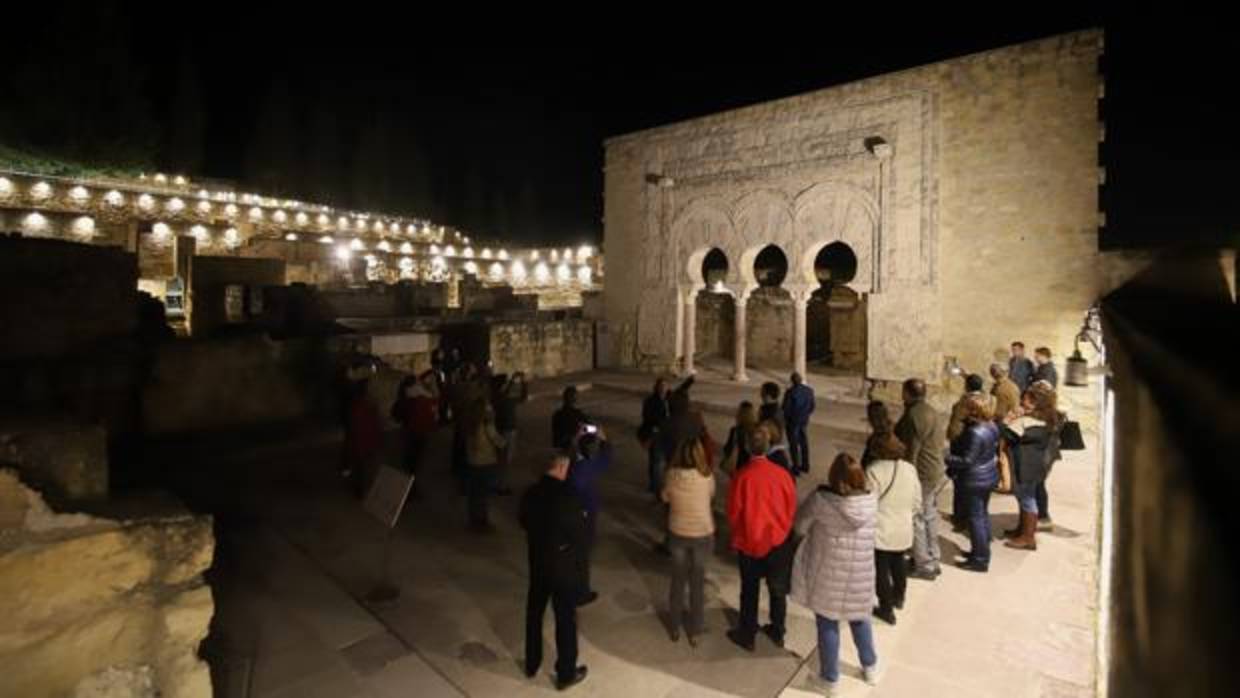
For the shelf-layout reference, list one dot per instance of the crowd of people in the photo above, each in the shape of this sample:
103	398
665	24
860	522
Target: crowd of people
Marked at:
845	552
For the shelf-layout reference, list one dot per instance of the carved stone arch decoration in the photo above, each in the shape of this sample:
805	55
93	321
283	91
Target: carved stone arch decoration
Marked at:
835	211
703	224
763	217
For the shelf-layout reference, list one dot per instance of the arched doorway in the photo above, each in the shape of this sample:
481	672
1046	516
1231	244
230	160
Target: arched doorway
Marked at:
836	315
769	312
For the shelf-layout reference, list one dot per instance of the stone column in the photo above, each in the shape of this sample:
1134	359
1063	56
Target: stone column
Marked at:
738	350
800	303
680	328
690	329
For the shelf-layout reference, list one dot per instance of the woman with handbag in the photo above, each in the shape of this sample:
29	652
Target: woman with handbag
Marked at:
972	466
894	481
1032	434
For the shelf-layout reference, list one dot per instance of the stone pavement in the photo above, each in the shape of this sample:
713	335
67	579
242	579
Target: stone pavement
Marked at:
297	557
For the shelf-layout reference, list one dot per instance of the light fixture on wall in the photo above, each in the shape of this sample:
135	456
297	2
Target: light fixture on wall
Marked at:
659	180
878	147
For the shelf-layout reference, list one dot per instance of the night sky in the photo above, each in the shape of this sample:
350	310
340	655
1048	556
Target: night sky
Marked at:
500	131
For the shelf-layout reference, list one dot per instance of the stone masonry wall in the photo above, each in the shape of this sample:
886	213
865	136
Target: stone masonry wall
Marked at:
543	348
63	298
83	597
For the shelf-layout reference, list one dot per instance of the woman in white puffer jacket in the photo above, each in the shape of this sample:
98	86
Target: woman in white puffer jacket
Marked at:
833	574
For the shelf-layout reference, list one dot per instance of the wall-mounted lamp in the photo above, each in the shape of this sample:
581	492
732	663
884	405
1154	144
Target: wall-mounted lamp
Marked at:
878	147
660	180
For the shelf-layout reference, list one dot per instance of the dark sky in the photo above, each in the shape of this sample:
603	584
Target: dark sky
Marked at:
501	130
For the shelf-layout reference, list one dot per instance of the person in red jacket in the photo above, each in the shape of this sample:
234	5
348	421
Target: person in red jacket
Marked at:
416	410
762	505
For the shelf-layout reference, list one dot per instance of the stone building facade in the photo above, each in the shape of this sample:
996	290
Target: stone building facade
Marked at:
967	190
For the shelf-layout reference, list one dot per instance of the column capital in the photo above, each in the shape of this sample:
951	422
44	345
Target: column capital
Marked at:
689	292
800	292
741	292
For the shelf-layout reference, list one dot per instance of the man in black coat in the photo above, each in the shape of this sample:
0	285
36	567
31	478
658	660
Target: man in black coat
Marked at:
554	519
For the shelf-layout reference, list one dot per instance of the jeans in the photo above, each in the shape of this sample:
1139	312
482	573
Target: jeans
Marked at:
926	528
481	487
829	646
564	604
689	567
776	567
891	578
1027	496
798	443
977	505
960	507
1044	507
655	465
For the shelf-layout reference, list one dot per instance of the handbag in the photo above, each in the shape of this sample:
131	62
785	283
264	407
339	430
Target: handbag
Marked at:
1004	486
1070	438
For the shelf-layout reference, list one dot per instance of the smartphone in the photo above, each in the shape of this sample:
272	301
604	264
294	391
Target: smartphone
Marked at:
590	429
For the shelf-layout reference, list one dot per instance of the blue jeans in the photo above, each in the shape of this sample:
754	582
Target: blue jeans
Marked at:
1027	496
976	505
829	646
798	443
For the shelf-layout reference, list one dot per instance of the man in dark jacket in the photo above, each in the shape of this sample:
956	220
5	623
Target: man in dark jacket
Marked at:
554	520
655	413
592	455
1045	367
567	420
798	406
508	395
770	409
922	433
1020	368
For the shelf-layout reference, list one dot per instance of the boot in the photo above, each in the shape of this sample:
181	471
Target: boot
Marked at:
1027	540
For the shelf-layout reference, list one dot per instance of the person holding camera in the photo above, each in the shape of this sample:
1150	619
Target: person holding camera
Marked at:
591	456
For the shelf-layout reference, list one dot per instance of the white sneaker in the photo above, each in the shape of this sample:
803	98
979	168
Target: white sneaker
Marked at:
870	674
821	686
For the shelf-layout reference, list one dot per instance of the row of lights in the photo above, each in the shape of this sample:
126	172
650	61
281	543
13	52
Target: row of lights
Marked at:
41	192
517	271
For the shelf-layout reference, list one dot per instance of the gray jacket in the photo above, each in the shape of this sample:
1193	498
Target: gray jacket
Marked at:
833	574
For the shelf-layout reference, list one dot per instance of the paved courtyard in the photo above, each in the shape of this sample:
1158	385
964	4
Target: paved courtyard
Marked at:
297	556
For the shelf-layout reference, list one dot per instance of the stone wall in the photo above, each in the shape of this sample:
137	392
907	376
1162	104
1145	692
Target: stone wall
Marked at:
768	328
83	597
240	382
542	348
67	461
211	278
968	190
64	298
716	325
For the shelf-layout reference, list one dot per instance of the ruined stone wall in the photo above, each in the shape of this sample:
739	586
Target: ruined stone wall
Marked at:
716	325
212	276
543	348
768	328
974	219
236	383
67	461
63	298
84	597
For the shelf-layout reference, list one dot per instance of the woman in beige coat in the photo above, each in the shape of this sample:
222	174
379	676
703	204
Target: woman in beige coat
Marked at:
688	487
894	481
